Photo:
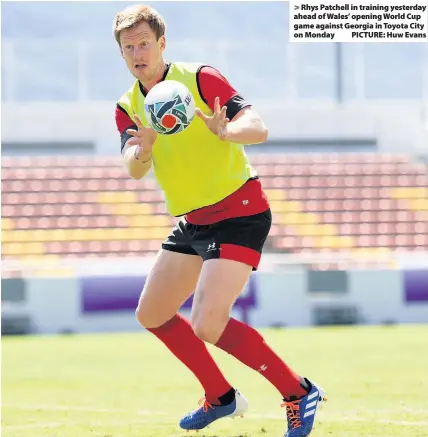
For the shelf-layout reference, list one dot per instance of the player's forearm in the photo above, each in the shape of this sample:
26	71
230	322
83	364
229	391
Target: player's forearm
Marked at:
248	129
137	168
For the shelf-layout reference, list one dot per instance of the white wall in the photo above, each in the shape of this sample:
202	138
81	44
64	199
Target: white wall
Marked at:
282	298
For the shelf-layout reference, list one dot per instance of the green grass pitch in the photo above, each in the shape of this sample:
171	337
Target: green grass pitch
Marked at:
129	385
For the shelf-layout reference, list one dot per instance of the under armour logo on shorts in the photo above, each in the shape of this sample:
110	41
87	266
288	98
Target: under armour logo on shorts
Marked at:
211	247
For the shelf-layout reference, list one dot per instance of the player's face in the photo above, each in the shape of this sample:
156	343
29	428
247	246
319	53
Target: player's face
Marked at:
142	51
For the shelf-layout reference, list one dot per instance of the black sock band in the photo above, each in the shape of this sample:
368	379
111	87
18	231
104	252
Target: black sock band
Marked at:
228	397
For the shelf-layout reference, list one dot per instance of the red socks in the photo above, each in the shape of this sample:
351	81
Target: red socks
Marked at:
238	339
178	336
248	346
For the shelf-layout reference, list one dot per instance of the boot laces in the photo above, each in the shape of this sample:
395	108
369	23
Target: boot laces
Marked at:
293	413
205	404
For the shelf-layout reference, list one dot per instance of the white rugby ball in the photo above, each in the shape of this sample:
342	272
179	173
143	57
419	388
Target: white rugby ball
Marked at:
169	107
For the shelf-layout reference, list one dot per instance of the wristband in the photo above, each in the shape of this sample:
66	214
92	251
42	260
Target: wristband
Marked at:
136	157
143	162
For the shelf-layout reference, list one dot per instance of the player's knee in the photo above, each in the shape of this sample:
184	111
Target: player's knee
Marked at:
144	317
139	314
207	329
202	330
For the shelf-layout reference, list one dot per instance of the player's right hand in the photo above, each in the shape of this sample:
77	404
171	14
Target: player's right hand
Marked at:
144	138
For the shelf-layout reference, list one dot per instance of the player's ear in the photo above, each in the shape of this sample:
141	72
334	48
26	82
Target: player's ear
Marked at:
162	43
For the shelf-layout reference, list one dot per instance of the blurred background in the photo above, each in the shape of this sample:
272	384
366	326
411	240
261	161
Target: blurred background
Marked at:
345	169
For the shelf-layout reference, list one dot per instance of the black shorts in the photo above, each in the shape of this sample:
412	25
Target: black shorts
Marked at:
240	239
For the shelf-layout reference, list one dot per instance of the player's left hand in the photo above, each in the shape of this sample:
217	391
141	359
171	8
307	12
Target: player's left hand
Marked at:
218	122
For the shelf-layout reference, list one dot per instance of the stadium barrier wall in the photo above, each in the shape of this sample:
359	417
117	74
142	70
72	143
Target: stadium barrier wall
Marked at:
282	298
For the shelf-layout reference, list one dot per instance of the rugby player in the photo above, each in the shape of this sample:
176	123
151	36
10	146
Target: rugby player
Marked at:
225	219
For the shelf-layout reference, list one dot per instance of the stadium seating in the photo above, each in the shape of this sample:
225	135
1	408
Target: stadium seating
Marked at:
68	207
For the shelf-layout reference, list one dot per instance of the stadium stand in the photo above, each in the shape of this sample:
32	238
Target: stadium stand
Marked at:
65	207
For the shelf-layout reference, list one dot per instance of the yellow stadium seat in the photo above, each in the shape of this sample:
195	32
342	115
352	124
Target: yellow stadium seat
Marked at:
382	250
132	209
23	249
328	229
7	236
333	242
7	248
290	218
361	251
285	206
344	242
309	218
398	193
420	204
158	233
35	248
323	242
318	230
315	230
100	234
29	235
43	235
410	193
122	234
58	235
296	218
141	233
401	193
16	236
293	206
141	221
276	206
154	233
162	220
11	248
80	234
305	231
417	193
273	194
117	197
117	234
369	252
6	224
106	234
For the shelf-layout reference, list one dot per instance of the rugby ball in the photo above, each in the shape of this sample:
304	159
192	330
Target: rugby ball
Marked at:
169	107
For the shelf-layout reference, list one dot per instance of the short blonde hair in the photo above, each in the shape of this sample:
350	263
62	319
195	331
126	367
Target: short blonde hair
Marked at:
134	15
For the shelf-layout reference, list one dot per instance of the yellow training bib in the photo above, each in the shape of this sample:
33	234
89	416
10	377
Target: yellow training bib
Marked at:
194	167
